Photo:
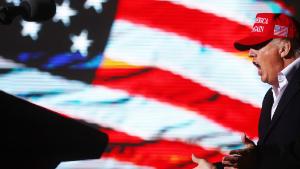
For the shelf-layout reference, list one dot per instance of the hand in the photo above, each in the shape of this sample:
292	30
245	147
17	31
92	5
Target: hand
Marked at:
202	163
242	158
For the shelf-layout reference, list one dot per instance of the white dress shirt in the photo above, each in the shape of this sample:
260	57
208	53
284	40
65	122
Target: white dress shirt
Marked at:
283	79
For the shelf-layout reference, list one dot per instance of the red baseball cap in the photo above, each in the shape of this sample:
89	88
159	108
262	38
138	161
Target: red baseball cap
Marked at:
268	26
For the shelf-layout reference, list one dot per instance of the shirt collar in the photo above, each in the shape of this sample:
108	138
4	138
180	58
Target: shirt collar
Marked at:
286	74
290	70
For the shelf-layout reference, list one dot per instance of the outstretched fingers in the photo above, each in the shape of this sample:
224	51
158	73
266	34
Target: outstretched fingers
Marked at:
231	160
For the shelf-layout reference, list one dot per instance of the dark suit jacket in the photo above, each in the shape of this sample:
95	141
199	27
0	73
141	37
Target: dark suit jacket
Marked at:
279	138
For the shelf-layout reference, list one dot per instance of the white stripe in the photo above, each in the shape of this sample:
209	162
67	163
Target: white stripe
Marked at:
29	80
100	164
221	71
237	10
136	116
8	64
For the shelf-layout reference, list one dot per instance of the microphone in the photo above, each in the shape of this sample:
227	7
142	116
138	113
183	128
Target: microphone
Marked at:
30	10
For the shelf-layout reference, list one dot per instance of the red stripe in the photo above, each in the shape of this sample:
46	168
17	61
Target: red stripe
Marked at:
167	87
206	28
155	153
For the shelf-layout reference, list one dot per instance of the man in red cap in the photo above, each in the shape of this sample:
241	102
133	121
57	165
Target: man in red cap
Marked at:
274	46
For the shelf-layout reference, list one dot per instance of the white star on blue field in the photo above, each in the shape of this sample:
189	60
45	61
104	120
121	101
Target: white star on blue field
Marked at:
96	4
30	29
81	43
64	12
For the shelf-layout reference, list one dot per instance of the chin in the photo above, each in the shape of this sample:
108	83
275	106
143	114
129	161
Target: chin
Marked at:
264	80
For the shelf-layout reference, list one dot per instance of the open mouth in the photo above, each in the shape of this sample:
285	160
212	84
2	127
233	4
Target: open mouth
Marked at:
256	64
258	68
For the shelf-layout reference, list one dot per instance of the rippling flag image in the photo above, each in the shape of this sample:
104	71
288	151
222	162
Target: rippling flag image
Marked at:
160	77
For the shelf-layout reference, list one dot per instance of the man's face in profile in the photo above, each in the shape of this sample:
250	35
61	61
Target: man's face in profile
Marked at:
268	61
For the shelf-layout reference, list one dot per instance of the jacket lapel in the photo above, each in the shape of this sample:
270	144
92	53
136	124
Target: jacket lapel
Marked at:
265	115
292	88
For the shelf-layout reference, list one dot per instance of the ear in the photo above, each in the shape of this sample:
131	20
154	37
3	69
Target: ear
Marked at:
285	48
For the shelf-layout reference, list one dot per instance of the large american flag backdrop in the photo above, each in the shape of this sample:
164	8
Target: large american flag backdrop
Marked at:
160	77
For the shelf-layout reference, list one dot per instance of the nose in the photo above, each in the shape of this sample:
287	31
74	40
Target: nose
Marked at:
252	53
